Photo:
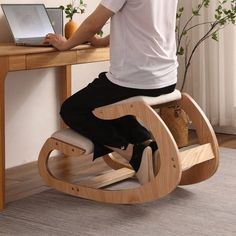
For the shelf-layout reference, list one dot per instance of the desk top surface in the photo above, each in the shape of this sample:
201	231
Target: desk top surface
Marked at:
9	49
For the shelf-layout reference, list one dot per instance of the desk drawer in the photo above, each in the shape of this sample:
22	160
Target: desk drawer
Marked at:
17	63
52	59
92	55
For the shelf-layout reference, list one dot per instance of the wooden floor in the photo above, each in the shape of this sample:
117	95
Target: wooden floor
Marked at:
23	181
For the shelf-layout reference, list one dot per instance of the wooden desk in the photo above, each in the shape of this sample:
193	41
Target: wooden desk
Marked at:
15	58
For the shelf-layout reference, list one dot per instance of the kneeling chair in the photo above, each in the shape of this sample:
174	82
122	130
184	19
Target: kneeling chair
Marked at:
175	166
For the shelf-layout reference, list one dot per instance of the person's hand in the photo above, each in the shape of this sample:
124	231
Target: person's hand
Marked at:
56	40
97	41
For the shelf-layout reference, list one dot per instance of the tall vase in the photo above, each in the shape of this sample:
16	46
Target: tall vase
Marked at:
70	27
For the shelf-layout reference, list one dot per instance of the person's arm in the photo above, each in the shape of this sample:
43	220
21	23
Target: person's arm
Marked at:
91	25
97	41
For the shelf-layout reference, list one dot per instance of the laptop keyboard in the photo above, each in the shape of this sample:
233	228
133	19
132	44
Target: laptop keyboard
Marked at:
31	41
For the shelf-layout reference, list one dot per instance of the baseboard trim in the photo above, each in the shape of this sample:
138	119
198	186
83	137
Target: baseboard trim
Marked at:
225	129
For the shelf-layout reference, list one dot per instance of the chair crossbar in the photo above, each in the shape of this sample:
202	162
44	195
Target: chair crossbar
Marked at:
196	155
71	137
108	178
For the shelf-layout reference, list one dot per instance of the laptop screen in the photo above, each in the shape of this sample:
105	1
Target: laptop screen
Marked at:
27	20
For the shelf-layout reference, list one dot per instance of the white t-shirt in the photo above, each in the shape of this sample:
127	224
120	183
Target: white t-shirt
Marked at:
142	42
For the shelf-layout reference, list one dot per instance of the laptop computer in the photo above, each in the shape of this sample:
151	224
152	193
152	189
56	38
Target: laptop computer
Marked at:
29	23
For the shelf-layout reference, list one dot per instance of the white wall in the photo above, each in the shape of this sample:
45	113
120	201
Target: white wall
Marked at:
32	97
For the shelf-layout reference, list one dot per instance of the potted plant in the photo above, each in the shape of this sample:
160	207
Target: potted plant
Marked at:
224	14
75	7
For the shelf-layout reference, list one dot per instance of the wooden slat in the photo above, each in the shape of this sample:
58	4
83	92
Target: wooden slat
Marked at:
196	155
9	49
108	178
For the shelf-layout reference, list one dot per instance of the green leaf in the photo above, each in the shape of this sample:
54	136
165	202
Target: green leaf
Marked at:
215	36
195	12
71	8
100	33
206	3
181	51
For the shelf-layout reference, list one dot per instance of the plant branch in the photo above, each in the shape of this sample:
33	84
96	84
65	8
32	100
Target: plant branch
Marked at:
207	35
203	23
223	17
184	31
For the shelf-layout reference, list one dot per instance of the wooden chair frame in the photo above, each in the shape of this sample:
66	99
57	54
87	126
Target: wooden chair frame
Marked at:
176	167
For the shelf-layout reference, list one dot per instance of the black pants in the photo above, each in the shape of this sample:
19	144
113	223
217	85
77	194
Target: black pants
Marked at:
76	112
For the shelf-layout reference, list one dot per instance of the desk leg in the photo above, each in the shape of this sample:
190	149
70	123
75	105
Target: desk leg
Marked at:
65	85
65	82
3	74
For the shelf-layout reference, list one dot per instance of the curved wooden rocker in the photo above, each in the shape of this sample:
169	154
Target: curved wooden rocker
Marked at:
176	167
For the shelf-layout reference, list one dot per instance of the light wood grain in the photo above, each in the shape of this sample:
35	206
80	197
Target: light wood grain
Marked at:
9	49
23	181
196	155
51	59
205	135
172	163
92	55
17	62
109	178
65	86
21	57
166	180
14	58
3	72
115	162
66	148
